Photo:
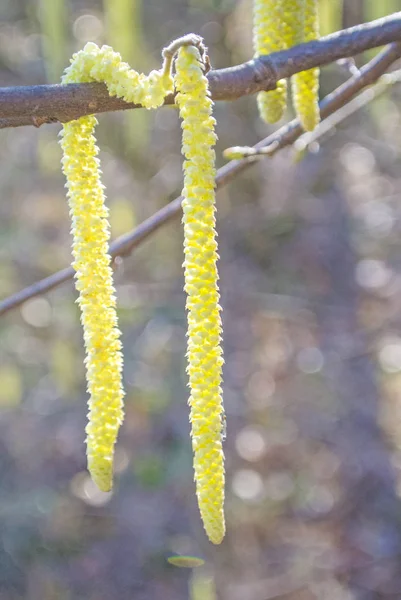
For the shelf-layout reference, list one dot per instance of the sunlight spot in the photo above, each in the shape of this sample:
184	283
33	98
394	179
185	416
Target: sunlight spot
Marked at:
250	444
310	360
37	312
247	484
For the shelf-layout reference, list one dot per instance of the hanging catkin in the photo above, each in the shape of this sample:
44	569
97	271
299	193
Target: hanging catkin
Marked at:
279	25
305	85
276	24
90	231
204	324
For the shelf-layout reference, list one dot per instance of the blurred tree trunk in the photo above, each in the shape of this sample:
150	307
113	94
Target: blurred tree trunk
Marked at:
367	520
353	12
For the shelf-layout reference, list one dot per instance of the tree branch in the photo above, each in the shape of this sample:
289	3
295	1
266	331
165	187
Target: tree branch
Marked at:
124	245
36	105
347	110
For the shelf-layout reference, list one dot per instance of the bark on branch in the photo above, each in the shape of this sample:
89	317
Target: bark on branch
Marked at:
36	105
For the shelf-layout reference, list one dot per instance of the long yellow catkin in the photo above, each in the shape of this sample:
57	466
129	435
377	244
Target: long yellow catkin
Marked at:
204	324
305	85
268	38
91	235
96	296
276	25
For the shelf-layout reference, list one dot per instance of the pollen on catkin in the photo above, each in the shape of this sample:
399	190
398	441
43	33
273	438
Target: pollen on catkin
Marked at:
305	85
204	354
92	262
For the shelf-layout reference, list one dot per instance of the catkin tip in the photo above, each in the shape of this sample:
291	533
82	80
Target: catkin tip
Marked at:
101	472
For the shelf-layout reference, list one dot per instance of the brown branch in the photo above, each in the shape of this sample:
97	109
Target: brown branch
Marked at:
285	136
35	105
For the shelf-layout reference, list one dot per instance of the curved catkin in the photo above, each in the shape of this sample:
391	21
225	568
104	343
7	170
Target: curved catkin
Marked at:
305	85
276	24
104	65
204	324
91	235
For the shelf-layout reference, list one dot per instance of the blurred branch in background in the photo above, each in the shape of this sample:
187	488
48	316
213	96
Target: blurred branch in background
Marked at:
124	29
331	16
352	13
37	105
285	136
124	33
53	16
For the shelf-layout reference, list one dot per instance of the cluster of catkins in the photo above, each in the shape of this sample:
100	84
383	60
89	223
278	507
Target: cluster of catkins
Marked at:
278	24
92	262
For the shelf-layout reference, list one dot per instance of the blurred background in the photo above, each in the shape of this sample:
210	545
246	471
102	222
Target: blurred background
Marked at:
310	274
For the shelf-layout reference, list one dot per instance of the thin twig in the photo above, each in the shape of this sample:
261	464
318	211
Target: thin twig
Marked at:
364	98
36	105
368	74
285	136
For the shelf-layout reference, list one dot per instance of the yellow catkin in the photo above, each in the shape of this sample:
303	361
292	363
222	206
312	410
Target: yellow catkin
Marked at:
305	85
96	296
267	38
275	27
204	324
91	235
94	277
